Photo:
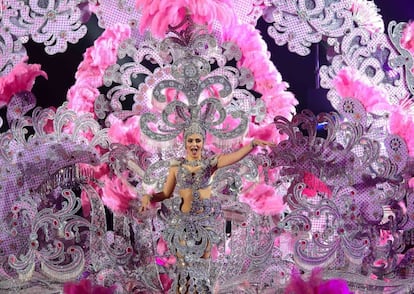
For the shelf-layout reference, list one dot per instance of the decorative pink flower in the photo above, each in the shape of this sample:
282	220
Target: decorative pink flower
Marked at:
20	78
263	200
86	287
365	14
350	83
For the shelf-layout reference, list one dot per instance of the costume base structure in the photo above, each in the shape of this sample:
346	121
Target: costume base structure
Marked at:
334	193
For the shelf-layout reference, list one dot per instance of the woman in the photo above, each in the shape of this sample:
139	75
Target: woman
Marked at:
199	168
189	231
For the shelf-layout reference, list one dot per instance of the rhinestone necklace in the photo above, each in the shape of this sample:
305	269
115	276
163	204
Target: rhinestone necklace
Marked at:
193	162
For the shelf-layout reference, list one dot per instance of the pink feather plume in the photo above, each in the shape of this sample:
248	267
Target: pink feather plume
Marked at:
158	15
402	124
20	78
117	195
267	79
315	284
263	200
125	132
350	83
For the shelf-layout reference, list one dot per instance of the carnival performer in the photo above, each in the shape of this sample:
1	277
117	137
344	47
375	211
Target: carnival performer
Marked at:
190	225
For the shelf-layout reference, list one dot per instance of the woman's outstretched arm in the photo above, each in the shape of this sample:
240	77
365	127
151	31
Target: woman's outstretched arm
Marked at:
233	157
165	193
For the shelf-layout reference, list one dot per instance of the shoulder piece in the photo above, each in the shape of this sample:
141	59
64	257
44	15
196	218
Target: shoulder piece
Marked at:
176	162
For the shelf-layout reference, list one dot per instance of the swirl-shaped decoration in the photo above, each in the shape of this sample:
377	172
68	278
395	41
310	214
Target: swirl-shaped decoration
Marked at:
359	189
301	23
53	23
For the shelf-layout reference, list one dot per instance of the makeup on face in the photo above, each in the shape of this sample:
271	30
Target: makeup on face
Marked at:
194	146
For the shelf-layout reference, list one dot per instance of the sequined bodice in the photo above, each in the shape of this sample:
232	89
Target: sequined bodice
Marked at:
199	178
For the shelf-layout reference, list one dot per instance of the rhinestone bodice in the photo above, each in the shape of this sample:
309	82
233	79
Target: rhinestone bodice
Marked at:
198	178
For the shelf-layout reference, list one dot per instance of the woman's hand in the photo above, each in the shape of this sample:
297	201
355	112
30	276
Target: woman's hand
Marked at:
261	143
145	202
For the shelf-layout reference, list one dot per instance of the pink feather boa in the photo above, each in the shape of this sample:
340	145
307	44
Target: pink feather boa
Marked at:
82	95
115	193
20	78
268	80
89	76
159	14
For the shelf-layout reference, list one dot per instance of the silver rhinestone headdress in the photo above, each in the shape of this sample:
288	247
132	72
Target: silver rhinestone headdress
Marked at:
195	128
194	81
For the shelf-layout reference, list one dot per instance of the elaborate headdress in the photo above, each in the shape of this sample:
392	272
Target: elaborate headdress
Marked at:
192	80
194	128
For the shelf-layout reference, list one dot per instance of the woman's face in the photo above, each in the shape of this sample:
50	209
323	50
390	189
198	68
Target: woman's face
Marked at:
194	146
